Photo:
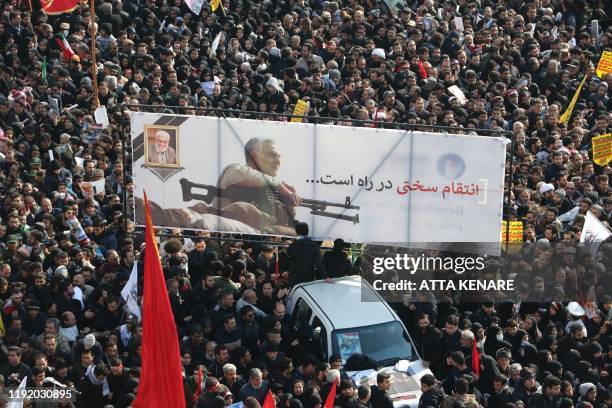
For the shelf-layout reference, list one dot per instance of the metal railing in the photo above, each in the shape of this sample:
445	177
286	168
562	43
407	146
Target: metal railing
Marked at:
317	120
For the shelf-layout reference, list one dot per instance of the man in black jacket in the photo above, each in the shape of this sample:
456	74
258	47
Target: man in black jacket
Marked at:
427	339
306	264
15	369
502	394
380	398
92	386
551	389
433	395
199	260
336	261
117	379
525	390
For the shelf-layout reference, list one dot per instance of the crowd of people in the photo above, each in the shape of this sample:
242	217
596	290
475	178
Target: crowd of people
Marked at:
67	252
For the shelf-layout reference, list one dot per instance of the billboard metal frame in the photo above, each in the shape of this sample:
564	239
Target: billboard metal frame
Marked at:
316	120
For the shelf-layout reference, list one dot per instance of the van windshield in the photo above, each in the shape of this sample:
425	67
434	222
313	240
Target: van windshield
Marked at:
386	343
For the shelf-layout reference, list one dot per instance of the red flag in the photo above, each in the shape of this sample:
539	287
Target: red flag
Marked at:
475	359
269	401
198	390
422	70
331	397
161	381
58	6
276	262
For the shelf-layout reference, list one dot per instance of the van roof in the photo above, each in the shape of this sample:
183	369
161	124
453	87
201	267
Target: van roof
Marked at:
347	303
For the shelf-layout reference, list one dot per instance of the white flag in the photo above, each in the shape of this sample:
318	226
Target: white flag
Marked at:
78	295
195	6
101	116
215	44
18	402
593	233
129	293
459	24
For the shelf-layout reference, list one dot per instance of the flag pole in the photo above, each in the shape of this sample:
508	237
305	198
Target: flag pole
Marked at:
94	66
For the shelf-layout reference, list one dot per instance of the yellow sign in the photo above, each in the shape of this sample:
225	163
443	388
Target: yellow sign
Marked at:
515	233
605	64
602	149
301	109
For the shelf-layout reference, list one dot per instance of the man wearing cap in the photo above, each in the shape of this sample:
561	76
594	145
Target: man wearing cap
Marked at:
546	193
503	357
34	321
87	343
574	316
13	242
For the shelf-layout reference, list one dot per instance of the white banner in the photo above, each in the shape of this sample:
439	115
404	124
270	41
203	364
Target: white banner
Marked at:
386	186
594	232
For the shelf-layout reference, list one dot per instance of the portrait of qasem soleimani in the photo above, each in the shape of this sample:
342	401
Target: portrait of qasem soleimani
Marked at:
162	146
451	166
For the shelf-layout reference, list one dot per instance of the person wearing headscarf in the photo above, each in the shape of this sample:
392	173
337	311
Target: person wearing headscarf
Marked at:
595	323
526	388
555	368
571	362
582	369
550	395
488	372
527	353
593	354
543	357
548	342
588	393
573	341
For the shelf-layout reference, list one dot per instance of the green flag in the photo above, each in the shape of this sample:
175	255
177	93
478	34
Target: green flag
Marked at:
44	70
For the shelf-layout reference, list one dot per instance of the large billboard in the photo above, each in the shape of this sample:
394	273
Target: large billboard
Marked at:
361	184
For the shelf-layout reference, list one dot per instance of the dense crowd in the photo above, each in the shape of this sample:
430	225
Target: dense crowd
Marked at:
517	64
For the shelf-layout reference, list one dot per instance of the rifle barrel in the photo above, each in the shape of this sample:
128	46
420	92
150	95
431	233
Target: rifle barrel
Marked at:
310	203
353	218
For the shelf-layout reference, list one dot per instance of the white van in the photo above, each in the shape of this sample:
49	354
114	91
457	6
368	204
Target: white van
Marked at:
350	317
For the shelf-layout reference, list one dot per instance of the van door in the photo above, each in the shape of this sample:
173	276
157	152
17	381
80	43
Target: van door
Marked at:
322	334
302	313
